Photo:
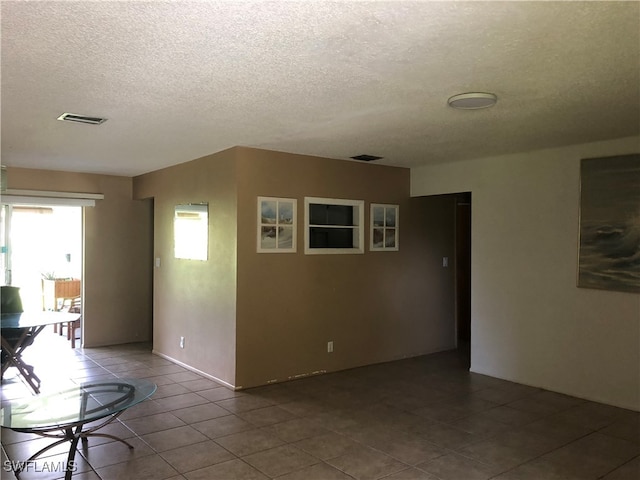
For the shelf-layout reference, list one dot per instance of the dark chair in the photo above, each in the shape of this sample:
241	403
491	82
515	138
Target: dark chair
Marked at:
10	302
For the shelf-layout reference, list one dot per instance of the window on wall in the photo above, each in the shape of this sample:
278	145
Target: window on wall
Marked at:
333	226
276	225
384	227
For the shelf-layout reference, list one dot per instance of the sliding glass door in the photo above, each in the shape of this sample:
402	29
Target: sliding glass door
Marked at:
39	243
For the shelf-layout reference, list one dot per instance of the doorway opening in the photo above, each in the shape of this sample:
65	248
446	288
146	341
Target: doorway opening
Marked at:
42	254
463	272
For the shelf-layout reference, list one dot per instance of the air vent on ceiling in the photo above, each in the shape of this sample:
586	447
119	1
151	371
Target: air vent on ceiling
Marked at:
72	117
366	158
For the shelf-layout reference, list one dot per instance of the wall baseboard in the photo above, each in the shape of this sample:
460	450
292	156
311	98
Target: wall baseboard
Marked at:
195	370
635	408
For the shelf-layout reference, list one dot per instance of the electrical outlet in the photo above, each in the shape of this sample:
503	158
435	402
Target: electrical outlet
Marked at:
181	342
445	261
330	347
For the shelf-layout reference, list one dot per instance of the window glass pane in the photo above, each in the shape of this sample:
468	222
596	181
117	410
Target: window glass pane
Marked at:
268	237
269	211
330	237
285	212
391	216
390	237
285	237
340	214
378	217
378	237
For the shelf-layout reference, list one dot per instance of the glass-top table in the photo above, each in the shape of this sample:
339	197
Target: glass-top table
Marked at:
18	331
64	414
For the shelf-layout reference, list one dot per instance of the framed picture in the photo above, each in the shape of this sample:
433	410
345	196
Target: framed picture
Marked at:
277	225
384	227
609	248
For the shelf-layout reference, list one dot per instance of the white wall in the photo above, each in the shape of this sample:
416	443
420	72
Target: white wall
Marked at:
530	323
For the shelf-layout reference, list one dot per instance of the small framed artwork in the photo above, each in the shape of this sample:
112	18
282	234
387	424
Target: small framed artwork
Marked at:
277	225
384	227
609	245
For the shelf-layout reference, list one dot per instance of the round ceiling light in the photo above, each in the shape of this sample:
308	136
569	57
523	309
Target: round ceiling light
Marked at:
472	100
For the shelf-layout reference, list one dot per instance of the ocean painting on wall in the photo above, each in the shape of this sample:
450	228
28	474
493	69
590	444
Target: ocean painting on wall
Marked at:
609	256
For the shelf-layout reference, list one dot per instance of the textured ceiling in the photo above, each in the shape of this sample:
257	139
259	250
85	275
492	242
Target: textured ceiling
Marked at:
182	79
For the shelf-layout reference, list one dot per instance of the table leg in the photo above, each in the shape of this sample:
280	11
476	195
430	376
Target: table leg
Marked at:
73	434
14	357
72	451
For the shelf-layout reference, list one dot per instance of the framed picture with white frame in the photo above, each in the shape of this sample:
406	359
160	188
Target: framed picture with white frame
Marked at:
384	227
277	225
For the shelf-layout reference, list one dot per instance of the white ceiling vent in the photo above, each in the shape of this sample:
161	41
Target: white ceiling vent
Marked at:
72	117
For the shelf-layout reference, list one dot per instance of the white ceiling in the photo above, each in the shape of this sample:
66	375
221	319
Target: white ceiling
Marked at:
178	80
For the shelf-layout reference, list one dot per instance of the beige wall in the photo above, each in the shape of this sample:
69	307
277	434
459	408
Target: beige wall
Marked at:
117	280
530	323
196	299
375	307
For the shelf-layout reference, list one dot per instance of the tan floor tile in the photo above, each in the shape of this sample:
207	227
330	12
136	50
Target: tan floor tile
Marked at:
627	430
219	393
537	470
231	470
166	370
627	471
222	426
333	418
199	384
183	400
480	425
366	464
280	460
153	423
200	413
146	408
510	416
244	403
251	441
447	436
116	452
327	446
457	467
590	415
409	449
296	429
494	453
173	438
594	455
168	390
151	467
321	471
262	417
411	474
557	431
197	456
184	376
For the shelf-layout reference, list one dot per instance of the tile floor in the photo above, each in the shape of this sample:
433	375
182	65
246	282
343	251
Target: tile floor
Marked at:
425	418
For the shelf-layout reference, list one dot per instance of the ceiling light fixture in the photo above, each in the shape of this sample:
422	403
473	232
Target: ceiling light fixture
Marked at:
472	100
72	117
